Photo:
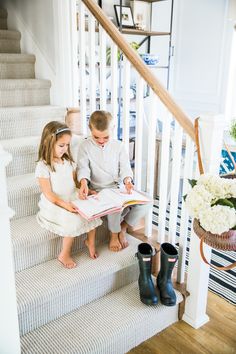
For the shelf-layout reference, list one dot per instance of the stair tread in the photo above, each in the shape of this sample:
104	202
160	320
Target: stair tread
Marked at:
21	231
6	112
17	58
22	183
15	84
113	324
9	34
40	283
22	143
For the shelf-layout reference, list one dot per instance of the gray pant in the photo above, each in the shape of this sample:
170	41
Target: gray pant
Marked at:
131	215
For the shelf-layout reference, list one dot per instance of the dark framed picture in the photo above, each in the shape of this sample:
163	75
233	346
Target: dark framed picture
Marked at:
126	17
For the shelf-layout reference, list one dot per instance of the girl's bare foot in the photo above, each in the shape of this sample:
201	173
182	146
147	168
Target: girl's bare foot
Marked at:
122	238
114	244
91	247
66	260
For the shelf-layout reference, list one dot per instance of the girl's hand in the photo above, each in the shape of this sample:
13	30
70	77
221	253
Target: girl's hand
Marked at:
83	191
128	185
70	207
92	192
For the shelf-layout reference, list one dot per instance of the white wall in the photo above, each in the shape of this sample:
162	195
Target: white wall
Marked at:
202	36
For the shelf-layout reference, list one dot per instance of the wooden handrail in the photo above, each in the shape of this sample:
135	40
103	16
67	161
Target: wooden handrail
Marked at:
142	68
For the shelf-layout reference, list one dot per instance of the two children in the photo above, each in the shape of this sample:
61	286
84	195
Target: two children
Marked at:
103	163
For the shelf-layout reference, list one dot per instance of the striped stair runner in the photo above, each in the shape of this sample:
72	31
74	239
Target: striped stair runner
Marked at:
95	307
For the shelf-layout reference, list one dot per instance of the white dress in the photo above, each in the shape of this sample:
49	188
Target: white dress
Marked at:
53	217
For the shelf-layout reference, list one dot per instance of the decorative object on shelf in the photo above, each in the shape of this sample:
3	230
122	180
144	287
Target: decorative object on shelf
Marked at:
150	59
212	203
127	16
141	14
232	133
134	45
73	120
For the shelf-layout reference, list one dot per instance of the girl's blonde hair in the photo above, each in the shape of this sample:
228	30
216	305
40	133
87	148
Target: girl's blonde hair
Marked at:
100	120
51	133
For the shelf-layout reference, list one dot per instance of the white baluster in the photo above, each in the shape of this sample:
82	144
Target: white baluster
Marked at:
163	167
211	136
92	64
9	327
152	123
82	72
126	103
188	173
103	79
139	133
175	180
114	85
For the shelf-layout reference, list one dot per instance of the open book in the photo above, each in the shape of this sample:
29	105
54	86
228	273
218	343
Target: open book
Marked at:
108	201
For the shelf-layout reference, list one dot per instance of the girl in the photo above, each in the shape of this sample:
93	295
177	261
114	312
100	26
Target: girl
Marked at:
56	174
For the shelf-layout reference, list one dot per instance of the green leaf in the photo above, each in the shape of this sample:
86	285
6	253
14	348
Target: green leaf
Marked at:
224	202
233	201
233	228
192	182
184	197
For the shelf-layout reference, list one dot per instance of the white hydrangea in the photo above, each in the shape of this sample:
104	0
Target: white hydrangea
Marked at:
218	187
217	219
232	188
198	199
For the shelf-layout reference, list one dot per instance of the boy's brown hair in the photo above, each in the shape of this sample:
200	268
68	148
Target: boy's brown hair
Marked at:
51	133
100	120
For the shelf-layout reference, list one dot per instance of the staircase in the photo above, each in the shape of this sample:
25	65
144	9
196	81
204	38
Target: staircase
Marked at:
95	307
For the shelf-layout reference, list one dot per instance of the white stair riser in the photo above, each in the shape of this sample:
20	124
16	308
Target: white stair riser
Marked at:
28	124
24	204
9	45
78	295
17	71
27	255
22	163
3	23
24	97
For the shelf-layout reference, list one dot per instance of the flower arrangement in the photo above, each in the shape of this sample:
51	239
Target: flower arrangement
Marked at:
212	200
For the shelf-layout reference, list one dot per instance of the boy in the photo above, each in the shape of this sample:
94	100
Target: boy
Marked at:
104	163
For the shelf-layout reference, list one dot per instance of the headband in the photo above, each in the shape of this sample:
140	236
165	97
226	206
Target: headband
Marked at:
60	130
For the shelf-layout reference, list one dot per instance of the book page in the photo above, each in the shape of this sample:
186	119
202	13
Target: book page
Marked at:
96	204
125	199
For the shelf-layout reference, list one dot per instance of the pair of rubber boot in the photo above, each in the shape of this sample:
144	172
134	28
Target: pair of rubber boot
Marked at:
147	290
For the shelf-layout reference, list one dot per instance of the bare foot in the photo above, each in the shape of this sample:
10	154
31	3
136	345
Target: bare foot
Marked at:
66	260
92	251
114	244
122	238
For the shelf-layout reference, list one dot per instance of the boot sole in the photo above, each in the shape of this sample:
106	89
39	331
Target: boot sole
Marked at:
149	303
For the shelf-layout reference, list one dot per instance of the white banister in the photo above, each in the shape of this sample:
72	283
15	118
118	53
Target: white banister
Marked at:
211	137
9	328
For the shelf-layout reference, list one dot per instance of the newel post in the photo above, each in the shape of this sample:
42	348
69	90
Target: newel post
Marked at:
9	328
211	129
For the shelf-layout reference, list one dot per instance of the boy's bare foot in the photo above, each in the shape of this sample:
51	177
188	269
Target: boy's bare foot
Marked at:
67	261
92	251
114	244
122	238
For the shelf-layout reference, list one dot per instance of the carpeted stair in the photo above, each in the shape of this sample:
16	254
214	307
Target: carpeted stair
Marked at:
95	307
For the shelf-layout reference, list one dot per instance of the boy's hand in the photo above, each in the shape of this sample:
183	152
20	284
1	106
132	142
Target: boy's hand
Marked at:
83	191
128	184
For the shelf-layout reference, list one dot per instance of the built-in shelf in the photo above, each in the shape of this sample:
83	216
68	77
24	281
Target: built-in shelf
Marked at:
143	32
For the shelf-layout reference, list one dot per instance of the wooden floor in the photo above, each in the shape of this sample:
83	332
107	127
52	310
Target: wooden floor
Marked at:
218	336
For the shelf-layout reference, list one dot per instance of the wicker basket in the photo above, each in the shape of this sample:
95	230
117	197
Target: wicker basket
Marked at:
226	241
